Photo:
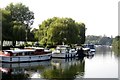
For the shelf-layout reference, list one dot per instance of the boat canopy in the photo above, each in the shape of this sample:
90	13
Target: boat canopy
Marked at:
34	48
19	51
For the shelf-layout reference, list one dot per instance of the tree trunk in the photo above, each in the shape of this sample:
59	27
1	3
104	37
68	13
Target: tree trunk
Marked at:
13	43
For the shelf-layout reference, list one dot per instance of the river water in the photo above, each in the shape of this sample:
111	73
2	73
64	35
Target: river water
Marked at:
104	64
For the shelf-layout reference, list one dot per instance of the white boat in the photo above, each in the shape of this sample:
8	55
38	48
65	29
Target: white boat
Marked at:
64	51
25	55
89	47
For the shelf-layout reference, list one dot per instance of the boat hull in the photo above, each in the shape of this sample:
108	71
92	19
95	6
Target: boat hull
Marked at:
25	58
63	55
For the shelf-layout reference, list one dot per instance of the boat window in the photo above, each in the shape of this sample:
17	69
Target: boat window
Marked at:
23	53
32	53
20	54
39	50
27	53
6	53
14	54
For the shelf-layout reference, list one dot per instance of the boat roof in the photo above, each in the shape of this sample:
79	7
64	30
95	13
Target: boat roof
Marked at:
62	47
19	50
34	48
89	44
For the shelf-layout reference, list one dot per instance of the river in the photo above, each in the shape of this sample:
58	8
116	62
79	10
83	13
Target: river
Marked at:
104	64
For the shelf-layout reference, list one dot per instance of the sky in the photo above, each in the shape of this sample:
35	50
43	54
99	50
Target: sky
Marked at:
99	16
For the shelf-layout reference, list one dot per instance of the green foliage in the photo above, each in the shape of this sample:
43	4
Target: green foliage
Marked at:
81	36
63	73
20	13
58	30
116	45
6	25
16	19
100	40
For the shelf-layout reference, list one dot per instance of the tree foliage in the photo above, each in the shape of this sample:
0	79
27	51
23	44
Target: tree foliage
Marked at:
69	71
20	13
81	36
116	45
98	40
58	30
6	25
16	19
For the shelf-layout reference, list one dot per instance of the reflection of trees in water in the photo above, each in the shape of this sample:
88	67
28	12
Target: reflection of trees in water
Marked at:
23	72
20	73
68	72
116	51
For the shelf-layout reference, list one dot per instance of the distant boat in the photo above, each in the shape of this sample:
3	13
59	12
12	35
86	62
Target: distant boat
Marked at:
90	47
63	51
25	55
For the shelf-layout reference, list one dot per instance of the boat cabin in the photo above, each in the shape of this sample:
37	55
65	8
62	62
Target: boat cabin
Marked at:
91	46
39	50
20	52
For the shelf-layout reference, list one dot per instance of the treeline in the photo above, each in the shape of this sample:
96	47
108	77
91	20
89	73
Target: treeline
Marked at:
116	45
98	40
16	26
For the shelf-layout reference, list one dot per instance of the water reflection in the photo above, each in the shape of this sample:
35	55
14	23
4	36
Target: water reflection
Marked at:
54	69
23	71
116	51
62	69
104	64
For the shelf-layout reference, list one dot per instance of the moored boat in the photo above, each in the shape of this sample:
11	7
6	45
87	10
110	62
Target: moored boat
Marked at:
89	47
64	51
25	55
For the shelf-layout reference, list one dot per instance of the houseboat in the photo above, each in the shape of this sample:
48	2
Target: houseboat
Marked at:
25	55
64	51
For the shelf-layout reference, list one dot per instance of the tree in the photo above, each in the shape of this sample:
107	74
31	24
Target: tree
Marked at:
98	40
58	30
116	45
21	18
81	36
6	25
63	30
20	13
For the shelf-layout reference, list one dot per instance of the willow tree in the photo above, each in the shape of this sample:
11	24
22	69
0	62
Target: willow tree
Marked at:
60	30
63	30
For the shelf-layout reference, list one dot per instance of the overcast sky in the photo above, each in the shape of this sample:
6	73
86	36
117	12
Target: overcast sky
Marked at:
99	16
